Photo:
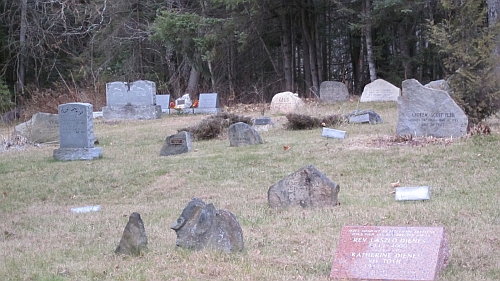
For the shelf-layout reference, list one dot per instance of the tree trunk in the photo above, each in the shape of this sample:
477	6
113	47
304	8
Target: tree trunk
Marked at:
286	47
369	44
194	78
308	32
493	13
21	68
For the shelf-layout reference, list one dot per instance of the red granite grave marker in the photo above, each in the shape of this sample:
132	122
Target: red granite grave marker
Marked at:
390	253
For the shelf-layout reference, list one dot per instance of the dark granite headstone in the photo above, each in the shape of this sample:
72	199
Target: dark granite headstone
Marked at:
41	128
429	112
76	133
332	92
177	144
202	226
134	239
241	134
364	116
306	187
390	253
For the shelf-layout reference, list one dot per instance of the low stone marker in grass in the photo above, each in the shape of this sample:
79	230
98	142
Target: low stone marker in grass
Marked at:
390	253
76	133
177	144
333	133
134	239
306	187
413	193
202	226
364	116
242	134
262	124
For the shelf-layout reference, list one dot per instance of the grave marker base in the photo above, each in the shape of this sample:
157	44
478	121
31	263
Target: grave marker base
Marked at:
71	154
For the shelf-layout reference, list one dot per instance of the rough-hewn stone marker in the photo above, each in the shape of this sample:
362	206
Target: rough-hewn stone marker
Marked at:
390	253
41	128
134	239
241	134
380	90
285	102
429	112
177	144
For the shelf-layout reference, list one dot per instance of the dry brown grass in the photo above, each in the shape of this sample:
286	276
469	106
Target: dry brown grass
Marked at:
41	239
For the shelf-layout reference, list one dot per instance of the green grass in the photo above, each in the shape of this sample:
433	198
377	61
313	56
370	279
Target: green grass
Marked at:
41	239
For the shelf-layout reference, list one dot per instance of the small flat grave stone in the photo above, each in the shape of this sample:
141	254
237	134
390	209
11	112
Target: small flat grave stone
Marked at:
412	193
163	101
364	116
76	133
262	124
390	253
333	133
177	144
332	92
285	102
429	112
380	90
242	134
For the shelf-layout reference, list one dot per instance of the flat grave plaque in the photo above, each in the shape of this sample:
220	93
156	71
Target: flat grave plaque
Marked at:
332	133
412	193
390	253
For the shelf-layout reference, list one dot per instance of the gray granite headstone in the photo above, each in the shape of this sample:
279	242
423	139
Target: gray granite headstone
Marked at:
164	102
306	187
262	124
117	93
134	238
380	90
332	92
364	116
241	134
76	133
41	128
208	103
177	144
429	112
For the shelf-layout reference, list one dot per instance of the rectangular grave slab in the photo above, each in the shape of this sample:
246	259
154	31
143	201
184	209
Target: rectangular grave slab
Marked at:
390	253
412	193
332	133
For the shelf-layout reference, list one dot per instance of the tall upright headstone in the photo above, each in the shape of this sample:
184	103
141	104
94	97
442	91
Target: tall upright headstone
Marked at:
164	102
286	102
76	133
380	90
429	112
208	103
134	100
332	92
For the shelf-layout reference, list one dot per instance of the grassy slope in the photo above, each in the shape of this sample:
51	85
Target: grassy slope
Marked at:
42	240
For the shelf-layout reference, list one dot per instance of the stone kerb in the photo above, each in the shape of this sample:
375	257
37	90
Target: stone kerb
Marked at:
332	92
390	253
286	102
76	133
380	90
429	112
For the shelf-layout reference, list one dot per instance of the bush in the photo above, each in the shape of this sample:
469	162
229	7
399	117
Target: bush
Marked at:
215	125
304	122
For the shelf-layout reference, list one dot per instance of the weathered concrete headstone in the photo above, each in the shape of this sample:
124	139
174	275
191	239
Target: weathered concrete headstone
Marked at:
364	116
41	128
134	100
380	90
76	133
332	133
438	85
390	253
202	226
134	238
208	103
177	144
262	124
286	102
429	112
332	92
164	102
412	193
241	134
306	187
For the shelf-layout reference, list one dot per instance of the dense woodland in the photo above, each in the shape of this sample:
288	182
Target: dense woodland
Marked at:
246	50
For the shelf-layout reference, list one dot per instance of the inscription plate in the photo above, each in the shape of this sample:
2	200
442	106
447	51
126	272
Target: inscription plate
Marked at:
175	141
76	125
390	253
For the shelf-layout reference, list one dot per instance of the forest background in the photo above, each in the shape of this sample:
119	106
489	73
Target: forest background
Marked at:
56	51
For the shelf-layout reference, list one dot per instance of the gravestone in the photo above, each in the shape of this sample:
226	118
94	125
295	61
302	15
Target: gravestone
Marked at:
177	144
134	239
332	133
429	112
364	116
332	92
306	187
262	124
380	90
202	226
208	103
390	253
76	133
134	100
41	128
241	134
164	102
438	85
286	102
412	193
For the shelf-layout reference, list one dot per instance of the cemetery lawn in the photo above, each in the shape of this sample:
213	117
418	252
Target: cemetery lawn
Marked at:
41	239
